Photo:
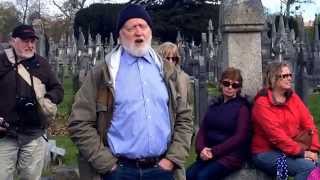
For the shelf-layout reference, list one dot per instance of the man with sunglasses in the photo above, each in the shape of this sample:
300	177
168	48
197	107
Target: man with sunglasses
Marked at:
22	123
148	126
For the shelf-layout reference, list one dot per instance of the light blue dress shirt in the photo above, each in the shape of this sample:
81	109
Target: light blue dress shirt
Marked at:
140	126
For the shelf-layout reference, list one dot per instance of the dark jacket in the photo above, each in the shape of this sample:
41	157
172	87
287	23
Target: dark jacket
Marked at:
13	86
83	122
226	129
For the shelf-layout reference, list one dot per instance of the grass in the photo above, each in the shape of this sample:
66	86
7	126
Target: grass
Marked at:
212	90
64	109
72	152
314	107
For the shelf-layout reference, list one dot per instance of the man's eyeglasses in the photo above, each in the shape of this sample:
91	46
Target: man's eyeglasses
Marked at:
285	76
173	59
233	85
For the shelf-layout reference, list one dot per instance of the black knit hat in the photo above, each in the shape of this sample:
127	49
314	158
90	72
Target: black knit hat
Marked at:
132	11
24	31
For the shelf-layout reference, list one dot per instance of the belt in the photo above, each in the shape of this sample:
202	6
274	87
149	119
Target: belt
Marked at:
148	162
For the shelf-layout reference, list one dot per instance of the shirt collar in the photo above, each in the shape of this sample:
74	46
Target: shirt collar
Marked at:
129	59
271	98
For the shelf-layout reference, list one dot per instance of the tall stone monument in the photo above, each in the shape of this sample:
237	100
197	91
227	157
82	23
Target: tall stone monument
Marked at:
41	43
242	22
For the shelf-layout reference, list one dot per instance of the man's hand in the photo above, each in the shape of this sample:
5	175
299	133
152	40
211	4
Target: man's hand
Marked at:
166	164
3	125
206	154
114	167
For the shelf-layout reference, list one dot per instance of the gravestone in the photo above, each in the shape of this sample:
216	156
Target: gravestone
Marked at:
249	172
41	43
242	24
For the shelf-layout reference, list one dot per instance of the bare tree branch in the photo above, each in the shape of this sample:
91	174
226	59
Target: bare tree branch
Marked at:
25	9
82	4
64	11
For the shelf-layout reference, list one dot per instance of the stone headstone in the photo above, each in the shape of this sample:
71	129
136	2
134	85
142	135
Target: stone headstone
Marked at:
242	24
41	43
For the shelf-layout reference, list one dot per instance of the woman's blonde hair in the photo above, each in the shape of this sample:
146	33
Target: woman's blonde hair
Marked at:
167	48
272	74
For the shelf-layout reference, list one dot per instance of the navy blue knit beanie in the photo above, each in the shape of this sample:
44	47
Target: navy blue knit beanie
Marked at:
132	11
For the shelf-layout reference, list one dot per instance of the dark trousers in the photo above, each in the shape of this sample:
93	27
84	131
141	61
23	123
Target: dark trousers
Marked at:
128	172
211	170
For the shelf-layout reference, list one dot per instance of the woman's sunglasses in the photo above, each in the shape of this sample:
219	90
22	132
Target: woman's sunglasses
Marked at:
173	59
285	76
233	85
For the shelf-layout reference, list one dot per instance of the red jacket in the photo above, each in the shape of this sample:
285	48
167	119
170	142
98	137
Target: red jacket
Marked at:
275	126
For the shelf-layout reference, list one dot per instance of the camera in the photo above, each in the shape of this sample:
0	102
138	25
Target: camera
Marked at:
25	104
27	109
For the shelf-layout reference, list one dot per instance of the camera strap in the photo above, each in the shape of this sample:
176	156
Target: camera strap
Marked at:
32	81
38	88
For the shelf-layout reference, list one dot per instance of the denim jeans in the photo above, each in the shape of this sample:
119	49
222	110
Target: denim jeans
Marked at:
298	167
124	172
24	159
205	170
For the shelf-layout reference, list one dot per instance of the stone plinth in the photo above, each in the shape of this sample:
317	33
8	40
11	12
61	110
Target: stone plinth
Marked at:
249	172
242	24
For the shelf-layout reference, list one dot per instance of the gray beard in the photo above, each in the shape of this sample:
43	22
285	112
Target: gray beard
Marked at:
134	51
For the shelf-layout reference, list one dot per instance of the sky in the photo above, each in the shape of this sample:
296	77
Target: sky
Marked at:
307	10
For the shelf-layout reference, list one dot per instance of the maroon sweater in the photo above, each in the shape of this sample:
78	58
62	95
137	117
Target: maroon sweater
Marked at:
226	130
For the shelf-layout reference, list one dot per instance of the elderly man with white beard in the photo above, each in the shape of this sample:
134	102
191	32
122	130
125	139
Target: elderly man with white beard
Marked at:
30	92
129	120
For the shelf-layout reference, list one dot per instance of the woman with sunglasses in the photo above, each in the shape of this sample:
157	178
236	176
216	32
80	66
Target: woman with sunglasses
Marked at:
278	116
222	143
170	52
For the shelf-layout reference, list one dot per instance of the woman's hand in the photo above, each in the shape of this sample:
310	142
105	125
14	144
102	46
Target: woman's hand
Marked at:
206	154
311	155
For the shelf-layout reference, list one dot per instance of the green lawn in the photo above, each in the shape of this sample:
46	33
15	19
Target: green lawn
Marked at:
70	157
314	106
64	110
65	107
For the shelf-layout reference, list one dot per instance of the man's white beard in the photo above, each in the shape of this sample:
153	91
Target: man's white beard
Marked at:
137	51
28	55
25	54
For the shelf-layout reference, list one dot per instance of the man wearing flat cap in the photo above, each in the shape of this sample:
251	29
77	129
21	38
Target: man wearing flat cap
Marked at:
129	120
29	94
